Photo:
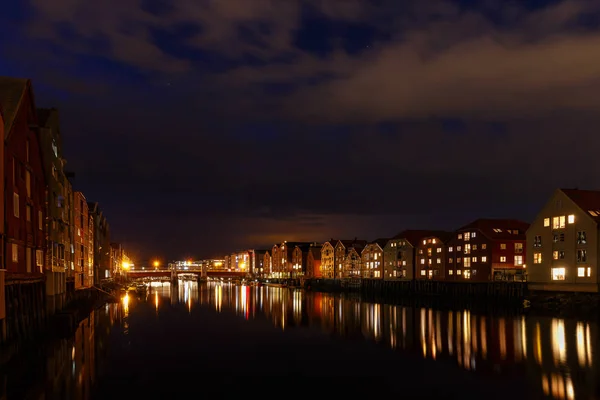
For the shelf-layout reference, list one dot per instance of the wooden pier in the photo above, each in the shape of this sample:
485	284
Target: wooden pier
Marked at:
25	306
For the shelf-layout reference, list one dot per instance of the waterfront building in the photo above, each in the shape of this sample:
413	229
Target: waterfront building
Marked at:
259	262
299	256
83	270
328	259
283	260
373	259
347	257
242	261
102	263
25	184
400	253
431	256
563	243
267	265
313	261
276	262
488	249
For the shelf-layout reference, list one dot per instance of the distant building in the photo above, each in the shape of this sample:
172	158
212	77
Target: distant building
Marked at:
563	243
347	258
431	256
58	204
328	259
102	256
299	256
373	259
259	261
313	261
267	265
25	184
488	249
83	269
400	253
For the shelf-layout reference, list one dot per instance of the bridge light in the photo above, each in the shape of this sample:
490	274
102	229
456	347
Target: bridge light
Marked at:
156	263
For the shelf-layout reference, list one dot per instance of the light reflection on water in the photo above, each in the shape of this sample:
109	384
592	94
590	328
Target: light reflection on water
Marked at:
558	351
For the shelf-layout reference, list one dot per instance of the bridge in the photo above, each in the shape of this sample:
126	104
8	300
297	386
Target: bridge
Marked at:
167	273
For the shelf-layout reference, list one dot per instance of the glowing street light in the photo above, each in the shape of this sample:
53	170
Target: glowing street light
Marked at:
156	264
126	265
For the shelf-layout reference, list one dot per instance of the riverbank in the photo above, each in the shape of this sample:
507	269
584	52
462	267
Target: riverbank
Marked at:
63	323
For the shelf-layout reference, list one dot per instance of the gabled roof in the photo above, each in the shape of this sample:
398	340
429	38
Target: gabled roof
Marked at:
352	243
498	229
414	236
12	91
587	200
381	242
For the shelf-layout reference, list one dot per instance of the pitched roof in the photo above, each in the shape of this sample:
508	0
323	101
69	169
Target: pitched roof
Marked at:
12	91
496	229
381	242
414	236
587	200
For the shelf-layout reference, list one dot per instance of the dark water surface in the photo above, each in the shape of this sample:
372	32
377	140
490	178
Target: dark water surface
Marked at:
222	340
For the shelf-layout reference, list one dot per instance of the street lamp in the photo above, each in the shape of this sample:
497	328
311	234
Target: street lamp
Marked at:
156	264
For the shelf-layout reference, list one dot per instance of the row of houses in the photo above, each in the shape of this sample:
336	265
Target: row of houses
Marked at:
557	251
49	229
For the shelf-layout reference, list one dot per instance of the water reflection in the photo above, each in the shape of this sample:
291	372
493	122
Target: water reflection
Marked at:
558	351
64	368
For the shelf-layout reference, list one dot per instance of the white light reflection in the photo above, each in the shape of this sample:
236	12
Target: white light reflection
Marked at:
218	297
584	354
559	345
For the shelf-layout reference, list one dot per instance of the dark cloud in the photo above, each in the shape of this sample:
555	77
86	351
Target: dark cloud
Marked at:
206	126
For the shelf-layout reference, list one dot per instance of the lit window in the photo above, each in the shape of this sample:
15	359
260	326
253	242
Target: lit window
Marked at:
571	219
555	223
422	261
537	258
483	246
450	272
502	246
450	260
474	259
424	241
518	260
484	259
467	262
546	222
15	252
467	274
423	272
502	259
467	236
16	204
458	259
439	250
558	274
460	235
458	272
580	272
589	272
561	221
450	249
473	234
439	260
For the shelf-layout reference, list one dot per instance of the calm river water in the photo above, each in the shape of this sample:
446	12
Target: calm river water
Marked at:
224	340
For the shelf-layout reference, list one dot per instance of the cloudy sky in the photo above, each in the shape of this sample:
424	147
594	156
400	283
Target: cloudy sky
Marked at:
203	127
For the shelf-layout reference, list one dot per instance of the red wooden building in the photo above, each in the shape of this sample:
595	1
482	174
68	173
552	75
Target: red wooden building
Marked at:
25	189
488	249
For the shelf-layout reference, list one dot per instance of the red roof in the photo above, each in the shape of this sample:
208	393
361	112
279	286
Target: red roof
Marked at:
414	236
587	200
498	229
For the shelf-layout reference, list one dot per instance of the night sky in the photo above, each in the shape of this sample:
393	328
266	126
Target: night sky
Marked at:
203	127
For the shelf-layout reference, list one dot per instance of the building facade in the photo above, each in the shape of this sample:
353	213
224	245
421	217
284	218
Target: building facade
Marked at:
373	259
259	262
267	265
313	261
102	259
345	262
58	228
25	184
328	259
81	241
242	261
563	243
431	257
488	249
276	271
